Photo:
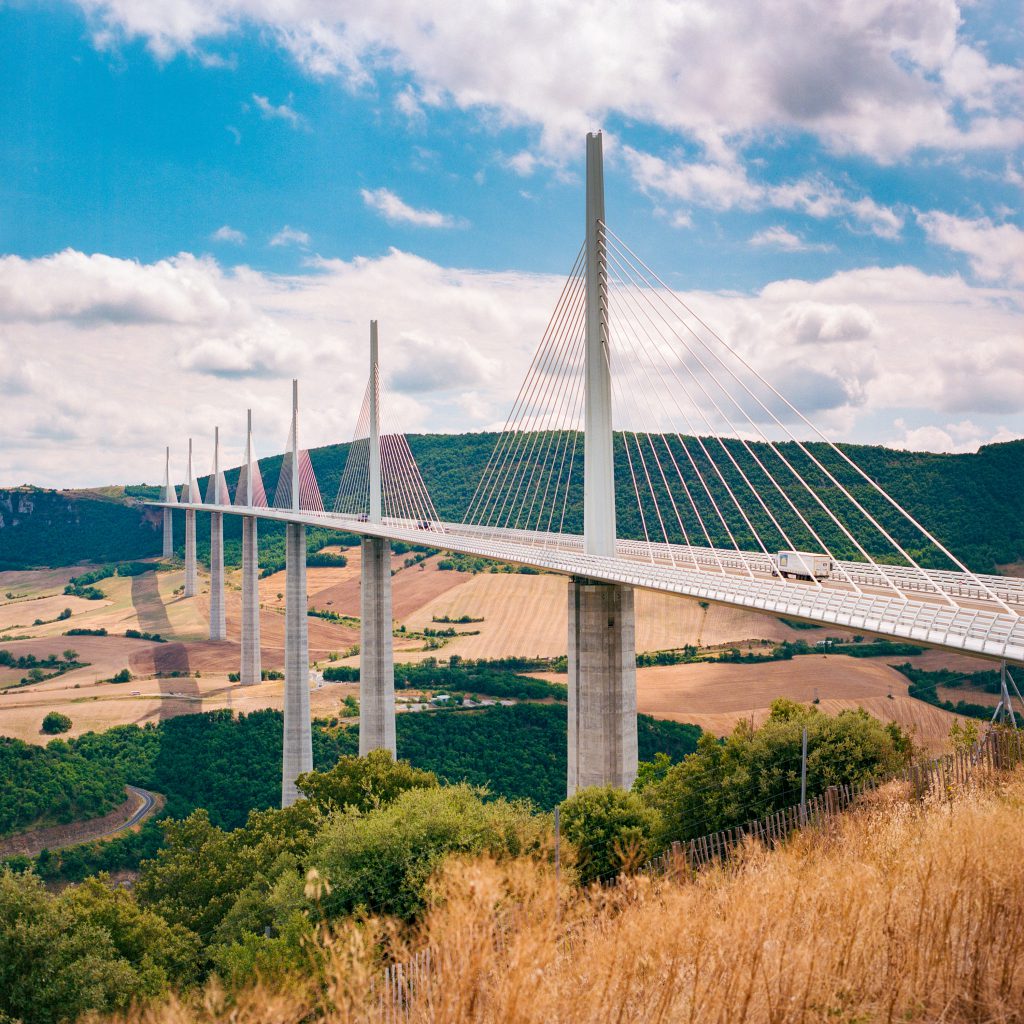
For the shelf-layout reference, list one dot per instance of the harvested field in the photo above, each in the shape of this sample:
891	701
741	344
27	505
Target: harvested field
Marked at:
970	694
717	696
18	616
528	615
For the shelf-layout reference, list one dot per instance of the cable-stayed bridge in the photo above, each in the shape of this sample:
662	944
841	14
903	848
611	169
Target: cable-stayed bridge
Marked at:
642	450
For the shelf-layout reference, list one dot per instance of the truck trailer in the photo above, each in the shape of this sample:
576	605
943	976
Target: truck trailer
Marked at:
802	565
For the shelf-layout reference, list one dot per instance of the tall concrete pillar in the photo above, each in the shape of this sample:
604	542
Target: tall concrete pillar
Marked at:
168	549
251	667
376	640
298	738
602	686
376	651
218	624
191	572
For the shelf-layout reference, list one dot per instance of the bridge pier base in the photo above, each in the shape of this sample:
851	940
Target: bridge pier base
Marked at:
218	622
251	668
376	650
168	548
191	572
298	736
602	685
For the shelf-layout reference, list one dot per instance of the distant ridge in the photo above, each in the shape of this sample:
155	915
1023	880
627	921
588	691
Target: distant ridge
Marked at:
974	502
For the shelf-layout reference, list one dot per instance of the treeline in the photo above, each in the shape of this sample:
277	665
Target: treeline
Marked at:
50	785
924	686
231	764
988	530
459	675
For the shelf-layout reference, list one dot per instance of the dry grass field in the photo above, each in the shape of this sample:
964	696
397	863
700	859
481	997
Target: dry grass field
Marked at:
880	915
522	615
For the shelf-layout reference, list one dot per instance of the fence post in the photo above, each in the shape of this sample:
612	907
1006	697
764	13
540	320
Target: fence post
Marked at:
803	780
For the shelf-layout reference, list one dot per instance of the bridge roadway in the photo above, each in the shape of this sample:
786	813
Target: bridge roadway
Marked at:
949	611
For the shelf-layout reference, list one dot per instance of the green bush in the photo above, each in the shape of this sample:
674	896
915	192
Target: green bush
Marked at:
55	723
383	860
610	829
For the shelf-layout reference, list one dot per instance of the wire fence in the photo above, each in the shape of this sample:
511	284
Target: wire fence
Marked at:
400	984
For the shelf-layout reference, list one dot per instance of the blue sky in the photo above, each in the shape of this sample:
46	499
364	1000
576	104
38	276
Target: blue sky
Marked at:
268	162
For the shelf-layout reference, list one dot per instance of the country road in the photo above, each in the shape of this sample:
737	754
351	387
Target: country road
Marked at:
59	837
140	814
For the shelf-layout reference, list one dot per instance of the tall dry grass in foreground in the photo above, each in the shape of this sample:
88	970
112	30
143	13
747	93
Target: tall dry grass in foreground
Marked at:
899	911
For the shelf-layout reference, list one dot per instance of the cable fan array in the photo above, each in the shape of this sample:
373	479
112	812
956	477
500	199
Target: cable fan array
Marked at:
710	472
404	496
309	490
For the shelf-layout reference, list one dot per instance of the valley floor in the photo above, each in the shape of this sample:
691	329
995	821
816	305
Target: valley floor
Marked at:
521	615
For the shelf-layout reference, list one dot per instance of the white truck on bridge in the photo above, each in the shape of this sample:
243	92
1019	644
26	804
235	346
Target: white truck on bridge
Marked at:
802	565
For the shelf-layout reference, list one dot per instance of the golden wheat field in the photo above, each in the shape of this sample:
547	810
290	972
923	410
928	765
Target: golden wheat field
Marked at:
882	915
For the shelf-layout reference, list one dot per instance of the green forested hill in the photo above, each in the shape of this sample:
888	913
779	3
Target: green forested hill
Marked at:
972	503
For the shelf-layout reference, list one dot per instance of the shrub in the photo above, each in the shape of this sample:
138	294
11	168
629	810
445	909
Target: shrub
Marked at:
55	723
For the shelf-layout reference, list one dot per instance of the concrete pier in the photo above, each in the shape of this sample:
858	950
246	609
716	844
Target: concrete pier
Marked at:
218	624
376	651
251	666
602	686
191	572
168	548
298	739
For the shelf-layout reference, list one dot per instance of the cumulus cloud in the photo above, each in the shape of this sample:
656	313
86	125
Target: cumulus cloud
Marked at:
228	234
77	287
290	236
396	211
879	78
195	344
994	251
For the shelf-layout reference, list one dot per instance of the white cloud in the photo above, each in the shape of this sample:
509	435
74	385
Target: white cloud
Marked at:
995	251
283	112
880	78
777	237
726	185
964	436
88	289
396	211
290	236
195	344
226	233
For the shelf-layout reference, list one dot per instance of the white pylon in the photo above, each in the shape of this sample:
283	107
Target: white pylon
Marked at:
169	495
598	461
251	668
375	495
295	445
218	618
191	571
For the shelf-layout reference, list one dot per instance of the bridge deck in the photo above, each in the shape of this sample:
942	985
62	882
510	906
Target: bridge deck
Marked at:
950	611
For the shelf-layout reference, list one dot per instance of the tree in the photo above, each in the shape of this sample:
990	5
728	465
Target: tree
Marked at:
383	860
55	723
363	783
612	830
90	948
757	771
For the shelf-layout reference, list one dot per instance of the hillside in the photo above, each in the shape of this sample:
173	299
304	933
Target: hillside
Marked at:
964	499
